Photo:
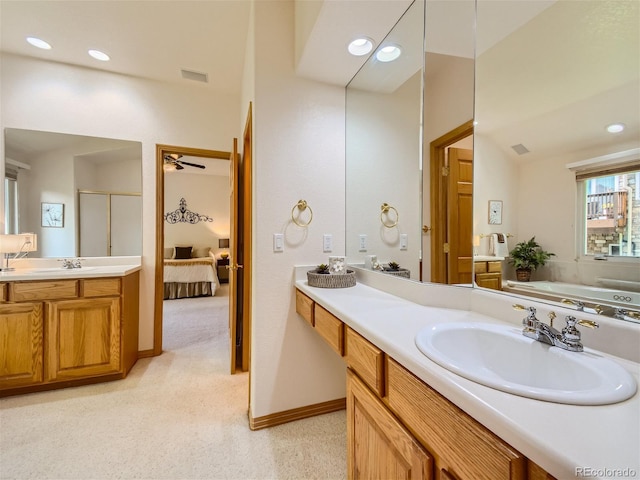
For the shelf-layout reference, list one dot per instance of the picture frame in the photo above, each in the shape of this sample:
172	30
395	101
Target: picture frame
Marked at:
52	215
495	212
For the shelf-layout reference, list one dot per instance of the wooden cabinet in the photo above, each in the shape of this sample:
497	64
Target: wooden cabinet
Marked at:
67	332
378	445
488	274
462	447
83	338
399	427
223	271
21	349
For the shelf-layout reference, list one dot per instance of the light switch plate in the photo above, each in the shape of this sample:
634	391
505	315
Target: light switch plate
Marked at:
363	242
404	241
278	242
327	242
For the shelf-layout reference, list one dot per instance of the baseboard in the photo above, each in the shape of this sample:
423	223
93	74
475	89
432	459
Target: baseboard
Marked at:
297	414
146	353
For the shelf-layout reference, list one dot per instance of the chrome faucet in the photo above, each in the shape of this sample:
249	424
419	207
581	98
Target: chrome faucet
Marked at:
69	264
567	339
621	313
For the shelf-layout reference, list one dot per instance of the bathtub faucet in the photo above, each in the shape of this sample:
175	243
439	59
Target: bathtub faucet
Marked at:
567	339
621	313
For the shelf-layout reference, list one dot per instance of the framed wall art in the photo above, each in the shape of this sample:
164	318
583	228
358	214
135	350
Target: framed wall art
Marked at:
495	212
52	215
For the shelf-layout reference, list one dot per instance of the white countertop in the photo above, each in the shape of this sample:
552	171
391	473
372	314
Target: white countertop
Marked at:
560	438
59	273
487	258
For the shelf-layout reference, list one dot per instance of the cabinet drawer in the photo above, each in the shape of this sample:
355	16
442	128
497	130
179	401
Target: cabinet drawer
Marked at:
489	280
100	287
49	290
366	360
480	267
304	306
3	292
329	328
471	451
493	267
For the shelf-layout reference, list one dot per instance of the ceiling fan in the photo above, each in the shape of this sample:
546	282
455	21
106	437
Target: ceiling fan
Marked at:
173	159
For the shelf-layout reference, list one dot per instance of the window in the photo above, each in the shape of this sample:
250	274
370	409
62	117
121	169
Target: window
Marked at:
611	205
10	204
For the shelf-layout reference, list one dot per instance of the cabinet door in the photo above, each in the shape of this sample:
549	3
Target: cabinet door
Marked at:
21	352
378	445
82	338
489	280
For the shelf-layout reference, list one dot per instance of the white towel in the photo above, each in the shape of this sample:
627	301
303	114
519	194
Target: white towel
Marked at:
499	246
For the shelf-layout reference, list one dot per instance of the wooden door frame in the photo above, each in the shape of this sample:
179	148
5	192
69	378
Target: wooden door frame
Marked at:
246	226
439	198
161	151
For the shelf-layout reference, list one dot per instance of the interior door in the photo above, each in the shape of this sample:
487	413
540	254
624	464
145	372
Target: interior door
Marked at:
460	216
234	173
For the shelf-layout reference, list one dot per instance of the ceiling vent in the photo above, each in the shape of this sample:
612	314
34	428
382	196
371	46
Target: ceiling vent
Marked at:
196	76
520	149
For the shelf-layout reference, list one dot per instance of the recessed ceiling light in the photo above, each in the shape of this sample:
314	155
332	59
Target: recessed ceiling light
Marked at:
36	42
360	46
98	55
388	53
615	127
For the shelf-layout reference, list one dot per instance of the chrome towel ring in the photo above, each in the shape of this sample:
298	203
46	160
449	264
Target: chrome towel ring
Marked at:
302	205
385	208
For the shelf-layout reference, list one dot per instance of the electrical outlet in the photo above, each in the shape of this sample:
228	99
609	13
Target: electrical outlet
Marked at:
327	242
404	240
363	242
278	242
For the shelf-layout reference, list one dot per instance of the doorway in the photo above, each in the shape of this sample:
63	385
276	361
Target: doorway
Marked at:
452	208
163	151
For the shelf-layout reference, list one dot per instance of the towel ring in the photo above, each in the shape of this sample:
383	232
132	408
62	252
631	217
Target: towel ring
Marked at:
302	205
385	207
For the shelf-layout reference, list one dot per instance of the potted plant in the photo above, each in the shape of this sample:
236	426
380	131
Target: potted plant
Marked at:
393	266
323	269
527	257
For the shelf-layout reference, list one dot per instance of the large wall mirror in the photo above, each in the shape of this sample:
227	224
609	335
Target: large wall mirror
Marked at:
81	195
541	80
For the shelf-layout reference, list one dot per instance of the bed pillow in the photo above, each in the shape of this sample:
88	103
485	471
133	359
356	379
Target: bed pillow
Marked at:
168	253
200	252
183	253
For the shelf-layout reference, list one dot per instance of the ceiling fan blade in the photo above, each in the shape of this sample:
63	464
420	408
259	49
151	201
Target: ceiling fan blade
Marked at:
190	164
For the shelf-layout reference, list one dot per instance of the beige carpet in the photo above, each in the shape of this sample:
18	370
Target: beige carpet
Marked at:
176	416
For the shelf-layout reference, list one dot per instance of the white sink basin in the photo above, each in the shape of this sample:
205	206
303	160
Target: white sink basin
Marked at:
500	357
57	270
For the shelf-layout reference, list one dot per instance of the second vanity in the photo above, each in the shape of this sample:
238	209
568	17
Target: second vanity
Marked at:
403	409
62	327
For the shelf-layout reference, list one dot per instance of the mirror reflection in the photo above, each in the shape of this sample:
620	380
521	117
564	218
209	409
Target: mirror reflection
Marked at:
550	77
545	164
80	195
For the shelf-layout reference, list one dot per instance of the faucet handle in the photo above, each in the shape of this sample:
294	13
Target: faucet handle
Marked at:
589	324
552	315
577	303
571	335
530	321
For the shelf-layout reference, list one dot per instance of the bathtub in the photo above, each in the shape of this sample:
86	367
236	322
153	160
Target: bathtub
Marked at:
557	291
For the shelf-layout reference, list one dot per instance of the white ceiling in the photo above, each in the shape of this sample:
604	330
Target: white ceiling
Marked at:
156	39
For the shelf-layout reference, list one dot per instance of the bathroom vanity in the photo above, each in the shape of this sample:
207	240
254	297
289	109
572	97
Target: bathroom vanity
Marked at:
61	328
488	271
408	417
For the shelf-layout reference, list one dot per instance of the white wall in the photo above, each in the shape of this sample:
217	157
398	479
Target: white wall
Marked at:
298	154
383	132
52	97
205	195
448	103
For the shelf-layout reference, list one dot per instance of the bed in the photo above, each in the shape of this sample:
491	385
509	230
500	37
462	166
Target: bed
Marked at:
190	277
